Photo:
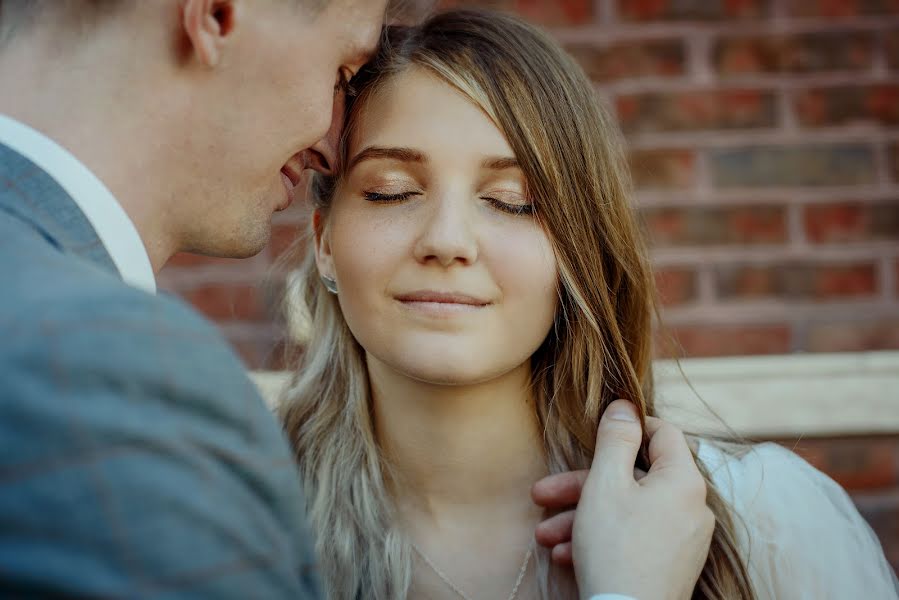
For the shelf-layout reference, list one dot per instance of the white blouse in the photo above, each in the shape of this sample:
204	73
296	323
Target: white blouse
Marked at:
803	537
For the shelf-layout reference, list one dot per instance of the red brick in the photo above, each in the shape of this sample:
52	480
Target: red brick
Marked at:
797	281
663	168
676	285
842	8
802	165
650	58
703	109
853	336
844	105
287	240
678	10
696	226
891	46
726	340
854	463
893	157
806	53
881	511
228	302
851	222
543	12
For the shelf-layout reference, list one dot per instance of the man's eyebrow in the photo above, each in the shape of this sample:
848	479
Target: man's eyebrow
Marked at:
400	154
500	163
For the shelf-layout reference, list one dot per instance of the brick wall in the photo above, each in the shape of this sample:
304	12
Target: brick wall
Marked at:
765	147
764	140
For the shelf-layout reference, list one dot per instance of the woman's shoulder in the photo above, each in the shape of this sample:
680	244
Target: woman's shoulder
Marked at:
743	473
802	534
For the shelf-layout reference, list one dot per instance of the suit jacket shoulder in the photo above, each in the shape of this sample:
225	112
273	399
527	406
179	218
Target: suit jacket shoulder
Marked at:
139	459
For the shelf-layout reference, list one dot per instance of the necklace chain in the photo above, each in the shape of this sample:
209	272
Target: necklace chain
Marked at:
463	595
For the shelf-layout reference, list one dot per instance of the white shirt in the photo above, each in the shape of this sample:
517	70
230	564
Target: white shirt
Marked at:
109	220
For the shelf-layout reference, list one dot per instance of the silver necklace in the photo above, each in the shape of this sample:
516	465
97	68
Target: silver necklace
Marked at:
463	595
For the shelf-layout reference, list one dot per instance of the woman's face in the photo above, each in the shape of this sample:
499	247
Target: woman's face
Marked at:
444	275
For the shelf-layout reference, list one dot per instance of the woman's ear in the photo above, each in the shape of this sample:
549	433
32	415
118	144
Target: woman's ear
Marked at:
208	25
323	258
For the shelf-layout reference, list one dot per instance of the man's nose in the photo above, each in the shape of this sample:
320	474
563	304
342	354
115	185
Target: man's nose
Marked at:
322	156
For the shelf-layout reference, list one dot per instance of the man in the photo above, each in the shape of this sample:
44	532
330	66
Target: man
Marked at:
138	460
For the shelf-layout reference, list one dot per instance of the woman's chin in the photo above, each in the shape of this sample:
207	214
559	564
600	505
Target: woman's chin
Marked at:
448	372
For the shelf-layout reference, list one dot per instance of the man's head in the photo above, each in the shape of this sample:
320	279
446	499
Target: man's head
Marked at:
229	99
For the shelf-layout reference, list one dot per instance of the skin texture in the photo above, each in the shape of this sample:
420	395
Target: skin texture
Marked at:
192	107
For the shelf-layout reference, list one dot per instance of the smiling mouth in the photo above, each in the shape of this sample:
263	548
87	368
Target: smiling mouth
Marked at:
442	302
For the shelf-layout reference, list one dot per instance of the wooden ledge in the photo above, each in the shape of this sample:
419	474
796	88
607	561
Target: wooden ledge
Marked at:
810	395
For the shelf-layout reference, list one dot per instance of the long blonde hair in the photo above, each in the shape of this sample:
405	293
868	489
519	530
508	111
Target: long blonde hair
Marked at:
599	349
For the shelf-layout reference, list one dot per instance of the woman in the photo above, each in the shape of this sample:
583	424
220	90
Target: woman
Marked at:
477	295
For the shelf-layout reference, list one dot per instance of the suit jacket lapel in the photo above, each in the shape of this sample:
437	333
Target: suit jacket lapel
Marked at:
32	195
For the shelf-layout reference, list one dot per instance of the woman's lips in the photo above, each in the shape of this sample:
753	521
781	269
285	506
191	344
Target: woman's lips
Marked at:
442	302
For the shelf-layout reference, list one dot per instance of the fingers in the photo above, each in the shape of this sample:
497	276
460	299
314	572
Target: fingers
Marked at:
562	555
556	529
560	490
667	446
617	442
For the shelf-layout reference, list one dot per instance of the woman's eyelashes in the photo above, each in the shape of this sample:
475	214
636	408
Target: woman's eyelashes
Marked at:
506	207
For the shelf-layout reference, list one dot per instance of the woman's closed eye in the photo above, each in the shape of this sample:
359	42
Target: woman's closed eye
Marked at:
512	208
389	198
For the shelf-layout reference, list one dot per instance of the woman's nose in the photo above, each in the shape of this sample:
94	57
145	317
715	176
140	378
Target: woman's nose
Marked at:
448	234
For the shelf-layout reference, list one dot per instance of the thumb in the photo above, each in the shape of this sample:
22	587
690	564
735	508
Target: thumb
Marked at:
617	442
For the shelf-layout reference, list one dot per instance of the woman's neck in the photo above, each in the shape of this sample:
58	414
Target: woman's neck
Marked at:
459	449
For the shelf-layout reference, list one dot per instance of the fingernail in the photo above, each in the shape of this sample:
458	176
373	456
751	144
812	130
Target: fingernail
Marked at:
622	411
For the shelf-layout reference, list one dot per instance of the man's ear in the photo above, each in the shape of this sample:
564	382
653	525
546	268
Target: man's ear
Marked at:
208	24
323	258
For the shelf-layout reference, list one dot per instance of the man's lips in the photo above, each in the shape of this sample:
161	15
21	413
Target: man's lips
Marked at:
292	173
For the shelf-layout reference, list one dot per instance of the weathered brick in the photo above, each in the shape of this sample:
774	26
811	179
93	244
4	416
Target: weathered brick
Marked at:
286	239
724	340
893	157
676	285
259	350
842	8
854	463
807	165
812	52
700	10
705	226
797	281
848	104
224	302
881	511
891	47
543	12
663	168
851	222
650	58
709	109
853	336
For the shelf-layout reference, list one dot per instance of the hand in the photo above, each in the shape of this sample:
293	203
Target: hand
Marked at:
649	538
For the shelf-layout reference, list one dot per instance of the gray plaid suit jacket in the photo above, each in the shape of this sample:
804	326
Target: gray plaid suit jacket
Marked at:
137	459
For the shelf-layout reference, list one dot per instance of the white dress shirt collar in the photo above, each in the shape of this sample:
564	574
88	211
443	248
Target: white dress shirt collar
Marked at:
109	220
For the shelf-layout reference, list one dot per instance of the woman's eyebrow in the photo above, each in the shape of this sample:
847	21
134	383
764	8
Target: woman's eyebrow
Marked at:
500	163
400	154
